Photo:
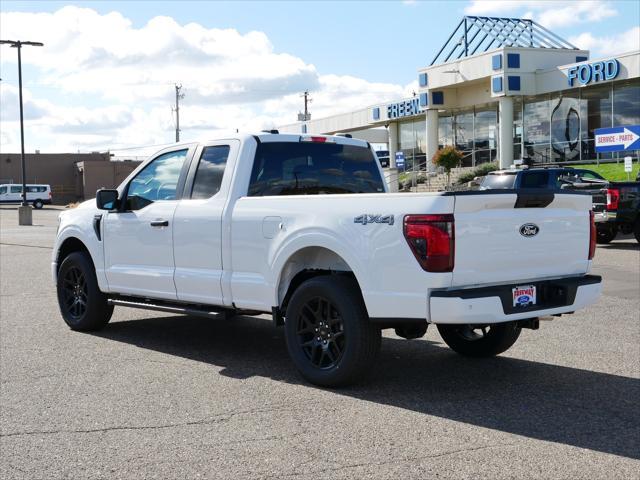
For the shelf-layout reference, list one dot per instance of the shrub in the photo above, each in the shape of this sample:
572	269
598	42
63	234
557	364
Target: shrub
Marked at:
477	172
447	158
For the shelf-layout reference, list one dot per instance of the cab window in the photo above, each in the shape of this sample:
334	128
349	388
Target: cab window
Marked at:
158	181
3	190
289	168
534	180
210	171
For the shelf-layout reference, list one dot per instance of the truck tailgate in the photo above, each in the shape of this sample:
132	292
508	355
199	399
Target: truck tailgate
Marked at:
511	237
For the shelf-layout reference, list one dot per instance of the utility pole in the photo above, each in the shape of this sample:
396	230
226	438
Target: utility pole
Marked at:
24	212
306	104
303	117
177	110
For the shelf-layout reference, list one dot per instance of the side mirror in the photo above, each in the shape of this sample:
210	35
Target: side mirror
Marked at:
107	199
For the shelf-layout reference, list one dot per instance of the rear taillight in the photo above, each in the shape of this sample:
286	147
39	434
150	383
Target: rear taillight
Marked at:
432	240
592	235
613	197
49	195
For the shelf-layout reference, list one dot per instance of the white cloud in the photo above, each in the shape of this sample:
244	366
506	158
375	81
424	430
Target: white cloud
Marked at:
231	80
608	45
551	14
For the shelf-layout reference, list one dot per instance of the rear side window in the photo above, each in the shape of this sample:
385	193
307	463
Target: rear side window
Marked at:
589	175
210	171
498	181
289	168
534	180
16	189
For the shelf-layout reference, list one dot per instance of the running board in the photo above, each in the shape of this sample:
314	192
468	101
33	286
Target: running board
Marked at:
168	307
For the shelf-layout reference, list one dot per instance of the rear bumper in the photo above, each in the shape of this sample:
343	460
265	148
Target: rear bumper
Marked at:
494	304
604	216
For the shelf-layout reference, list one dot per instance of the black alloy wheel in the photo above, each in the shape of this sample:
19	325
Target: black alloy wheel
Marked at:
480	340
321	333
606	233
329	336
82	305
74	293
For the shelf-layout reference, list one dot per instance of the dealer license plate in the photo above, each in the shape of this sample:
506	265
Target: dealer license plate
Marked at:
524	296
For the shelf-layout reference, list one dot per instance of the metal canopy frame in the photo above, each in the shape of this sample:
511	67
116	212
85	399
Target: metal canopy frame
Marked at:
479	34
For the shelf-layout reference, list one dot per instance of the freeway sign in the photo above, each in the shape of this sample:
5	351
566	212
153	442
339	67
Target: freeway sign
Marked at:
617	139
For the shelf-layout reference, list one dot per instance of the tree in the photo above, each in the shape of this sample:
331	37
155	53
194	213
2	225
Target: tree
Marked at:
447	158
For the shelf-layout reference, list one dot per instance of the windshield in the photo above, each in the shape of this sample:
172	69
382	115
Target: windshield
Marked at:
291	168
503	181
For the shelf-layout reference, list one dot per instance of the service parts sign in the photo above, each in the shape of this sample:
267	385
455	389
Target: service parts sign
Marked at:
617	139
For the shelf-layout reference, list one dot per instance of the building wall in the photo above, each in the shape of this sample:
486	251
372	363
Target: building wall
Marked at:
60	170
97	174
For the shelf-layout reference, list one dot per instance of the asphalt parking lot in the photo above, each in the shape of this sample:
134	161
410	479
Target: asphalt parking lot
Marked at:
172	397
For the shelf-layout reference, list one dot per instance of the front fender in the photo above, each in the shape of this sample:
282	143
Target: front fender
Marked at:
87	236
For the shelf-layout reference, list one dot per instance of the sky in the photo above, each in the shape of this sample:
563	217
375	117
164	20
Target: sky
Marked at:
105	78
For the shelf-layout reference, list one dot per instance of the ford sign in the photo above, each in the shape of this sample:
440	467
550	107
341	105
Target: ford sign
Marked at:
529	230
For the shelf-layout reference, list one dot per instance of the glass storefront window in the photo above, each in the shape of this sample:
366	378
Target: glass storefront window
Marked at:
626	103
445	131
486	127
486	134
412	136
597	102
539	153
554	127
536	119
485	156
565	126
517	121
463	123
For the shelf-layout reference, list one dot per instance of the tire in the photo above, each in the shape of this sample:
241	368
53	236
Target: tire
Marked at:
606	233
328	333
636	230
82	305
38	204
493	339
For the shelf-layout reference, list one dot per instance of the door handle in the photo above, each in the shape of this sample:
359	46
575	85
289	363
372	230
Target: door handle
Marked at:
160	223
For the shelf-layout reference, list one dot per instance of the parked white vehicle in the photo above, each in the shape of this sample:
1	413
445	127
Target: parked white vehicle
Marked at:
37	194
302	227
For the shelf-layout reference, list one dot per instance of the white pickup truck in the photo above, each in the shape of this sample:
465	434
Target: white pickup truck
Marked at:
302	227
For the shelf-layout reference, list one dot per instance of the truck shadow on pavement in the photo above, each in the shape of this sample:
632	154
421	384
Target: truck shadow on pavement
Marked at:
581	408
620	246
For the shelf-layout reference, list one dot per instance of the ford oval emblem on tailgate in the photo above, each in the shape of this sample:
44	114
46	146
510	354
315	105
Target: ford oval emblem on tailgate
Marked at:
529	230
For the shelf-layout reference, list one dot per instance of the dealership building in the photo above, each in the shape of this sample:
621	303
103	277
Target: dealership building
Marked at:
501	89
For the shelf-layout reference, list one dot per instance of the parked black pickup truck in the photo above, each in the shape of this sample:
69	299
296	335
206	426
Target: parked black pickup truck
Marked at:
617	209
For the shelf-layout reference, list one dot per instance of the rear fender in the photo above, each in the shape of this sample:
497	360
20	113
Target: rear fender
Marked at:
284	269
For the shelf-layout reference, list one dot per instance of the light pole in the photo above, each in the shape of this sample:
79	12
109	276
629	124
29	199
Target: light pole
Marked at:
24	212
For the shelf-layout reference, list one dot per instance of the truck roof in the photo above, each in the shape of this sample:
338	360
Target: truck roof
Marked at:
267	137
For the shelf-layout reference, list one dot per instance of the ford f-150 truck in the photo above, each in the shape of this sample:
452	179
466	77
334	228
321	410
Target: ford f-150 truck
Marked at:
617	209
302	227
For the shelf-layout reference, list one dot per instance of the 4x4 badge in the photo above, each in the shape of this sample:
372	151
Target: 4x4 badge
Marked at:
366	218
